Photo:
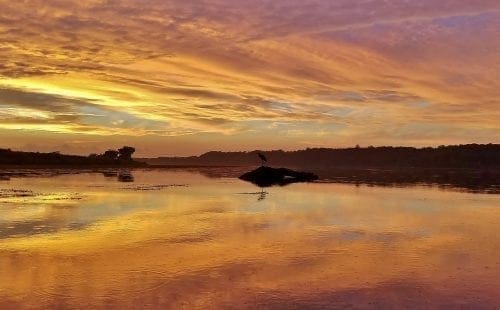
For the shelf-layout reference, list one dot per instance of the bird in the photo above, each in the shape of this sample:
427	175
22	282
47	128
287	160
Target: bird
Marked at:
262	158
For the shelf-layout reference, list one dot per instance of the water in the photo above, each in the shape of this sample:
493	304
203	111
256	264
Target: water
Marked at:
179	239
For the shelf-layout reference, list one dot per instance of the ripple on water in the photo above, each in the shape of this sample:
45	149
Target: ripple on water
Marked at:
22	196
149	281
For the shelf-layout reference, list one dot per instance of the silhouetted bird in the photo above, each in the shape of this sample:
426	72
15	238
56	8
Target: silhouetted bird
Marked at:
262	158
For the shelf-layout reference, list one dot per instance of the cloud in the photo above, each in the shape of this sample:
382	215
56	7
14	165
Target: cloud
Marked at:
228	67
39	101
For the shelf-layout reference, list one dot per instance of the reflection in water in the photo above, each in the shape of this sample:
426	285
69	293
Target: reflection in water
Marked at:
262	194
180	240
473	180
487	181
125	176
110	173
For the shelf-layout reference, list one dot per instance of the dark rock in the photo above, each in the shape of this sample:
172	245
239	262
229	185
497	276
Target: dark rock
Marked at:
267	176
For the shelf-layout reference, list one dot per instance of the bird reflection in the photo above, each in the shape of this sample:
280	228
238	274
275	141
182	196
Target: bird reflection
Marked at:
263	194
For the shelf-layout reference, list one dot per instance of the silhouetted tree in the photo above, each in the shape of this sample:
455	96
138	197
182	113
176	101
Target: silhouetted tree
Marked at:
125	153
110	154
110	157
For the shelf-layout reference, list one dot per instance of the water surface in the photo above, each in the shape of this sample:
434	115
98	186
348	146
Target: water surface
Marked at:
179	239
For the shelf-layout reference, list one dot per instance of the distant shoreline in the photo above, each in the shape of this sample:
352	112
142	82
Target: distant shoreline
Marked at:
469	156
249	166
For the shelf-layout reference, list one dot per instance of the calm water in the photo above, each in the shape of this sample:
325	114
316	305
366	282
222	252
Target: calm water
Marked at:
178	239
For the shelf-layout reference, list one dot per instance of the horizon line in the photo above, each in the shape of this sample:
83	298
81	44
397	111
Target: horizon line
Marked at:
272	150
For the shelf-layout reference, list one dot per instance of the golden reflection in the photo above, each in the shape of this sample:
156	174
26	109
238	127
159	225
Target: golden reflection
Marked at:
208	245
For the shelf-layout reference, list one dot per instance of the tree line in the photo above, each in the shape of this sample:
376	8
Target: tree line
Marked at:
120	157
474	156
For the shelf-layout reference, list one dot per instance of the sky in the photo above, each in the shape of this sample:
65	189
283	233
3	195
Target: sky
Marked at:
174	77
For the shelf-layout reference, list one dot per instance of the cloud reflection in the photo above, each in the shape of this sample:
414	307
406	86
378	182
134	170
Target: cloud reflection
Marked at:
301	245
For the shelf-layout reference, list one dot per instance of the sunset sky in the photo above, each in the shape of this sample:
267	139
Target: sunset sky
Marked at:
175	77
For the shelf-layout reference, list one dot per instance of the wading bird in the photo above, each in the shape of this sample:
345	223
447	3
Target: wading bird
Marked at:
262	158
